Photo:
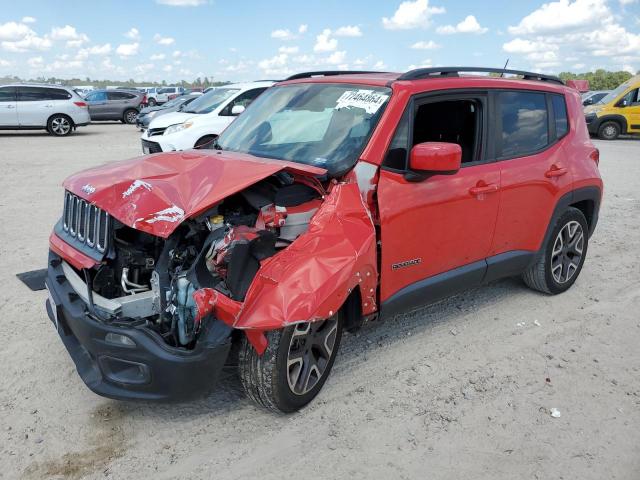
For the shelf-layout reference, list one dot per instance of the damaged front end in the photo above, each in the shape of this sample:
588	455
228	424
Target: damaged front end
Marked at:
149	292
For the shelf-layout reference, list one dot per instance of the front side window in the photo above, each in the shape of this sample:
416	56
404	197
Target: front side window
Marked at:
631	98
211	100
524	124
320	124
7	94
243	100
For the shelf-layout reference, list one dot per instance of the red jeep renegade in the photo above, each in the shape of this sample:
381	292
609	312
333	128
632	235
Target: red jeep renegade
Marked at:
334	199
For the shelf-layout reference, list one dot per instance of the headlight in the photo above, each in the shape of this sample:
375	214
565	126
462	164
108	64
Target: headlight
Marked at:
177	128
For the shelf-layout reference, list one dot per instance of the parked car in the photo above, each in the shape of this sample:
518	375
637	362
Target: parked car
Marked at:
57	109
161	95
617	113
202	120
149	113
591	98
334	199
115	105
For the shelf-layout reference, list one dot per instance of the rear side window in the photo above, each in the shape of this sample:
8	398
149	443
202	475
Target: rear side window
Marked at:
524	124
560	115
120	95
34	94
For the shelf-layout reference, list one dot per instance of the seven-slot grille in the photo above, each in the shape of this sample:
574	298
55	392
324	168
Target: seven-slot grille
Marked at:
86	223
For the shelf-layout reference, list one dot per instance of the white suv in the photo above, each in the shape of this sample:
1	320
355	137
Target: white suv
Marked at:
160	95
202	120
55	108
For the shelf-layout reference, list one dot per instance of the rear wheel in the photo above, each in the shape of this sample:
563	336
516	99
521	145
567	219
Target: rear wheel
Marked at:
152	102
609	131
563	256
130	116
295	365
59	125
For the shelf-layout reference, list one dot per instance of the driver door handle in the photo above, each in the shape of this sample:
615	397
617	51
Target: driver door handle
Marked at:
482	189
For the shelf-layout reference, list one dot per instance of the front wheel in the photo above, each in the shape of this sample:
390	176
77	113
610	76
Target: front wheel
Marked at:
562	256
295	365
152	102
609	131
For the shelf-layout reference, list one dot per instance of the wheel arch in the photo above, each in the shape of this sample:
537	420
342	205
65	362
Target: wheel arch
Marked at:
619	119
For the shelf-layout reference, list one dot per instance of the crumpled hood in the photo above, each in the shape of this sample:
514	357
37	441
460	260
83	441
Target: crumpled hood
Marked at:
155	193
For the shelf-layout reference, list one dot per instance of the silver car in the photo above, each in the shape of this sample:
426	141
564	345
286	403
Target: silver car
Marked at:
115	104
55	108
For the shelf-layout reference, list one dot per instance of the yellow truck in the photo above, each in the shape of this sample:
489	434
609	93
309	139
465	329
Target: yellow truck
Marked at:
617	113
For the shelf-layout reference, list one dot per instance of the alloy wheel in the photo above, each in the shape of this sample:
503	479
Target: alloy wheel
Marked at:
567	252
60	126
131	117
310	351
609	131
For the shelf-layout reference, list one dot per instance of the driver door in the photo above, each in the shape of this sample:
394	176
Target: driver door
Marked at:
436	232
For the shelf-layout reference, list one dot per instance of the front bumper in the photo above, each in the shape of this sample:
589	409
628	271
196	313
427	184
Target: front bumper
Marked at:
593	123
147	370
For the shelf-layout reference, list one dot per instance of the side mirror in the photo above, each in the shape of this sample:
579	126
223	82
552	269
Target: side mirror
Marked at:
623	103
588	101
434	158
237	110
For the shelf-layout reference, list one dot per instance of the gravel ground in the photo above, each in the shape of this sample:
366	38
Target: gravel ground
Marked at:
456	390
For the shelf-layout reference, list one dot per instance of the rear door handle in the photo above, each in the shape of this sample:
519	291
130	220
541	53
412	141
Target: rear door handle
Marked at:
555	171
482	189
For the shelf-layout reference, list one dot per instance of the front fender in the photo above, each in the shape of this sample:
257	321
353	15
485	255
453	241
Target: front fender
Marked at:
311	279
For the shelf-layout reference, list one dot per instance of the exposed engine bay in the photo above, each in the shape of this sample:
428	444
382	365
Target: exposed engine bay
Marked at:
221	249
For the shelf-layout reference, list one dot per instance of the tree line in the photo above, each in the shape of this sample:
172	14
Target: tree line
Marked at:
600	79
205	82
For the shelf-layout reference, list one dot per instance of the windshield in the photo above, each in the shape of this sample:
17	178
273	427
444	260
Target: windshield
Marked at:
211	100
325	125
611	96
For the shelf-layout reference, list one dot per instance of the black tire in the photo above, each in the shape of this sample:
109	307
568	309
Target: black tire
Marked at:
59	125
609	130
204	141
152	102
562	256
130	116
267	379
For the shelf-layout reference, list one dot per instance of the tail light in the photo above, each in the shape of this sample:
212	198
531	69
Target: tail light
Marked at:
595	156
144	99
80	104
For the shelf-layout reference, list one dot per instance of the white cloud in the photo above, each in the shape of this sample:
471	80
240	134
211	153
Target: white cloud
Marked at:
303	28
133	34
35	62
422	45
73	38
182	3
84	53
519	45
167	68
28	43
348	31
5	63
380	65
270	64
12	31
411	15
128	49
282	34
157	56
28	20
143	68
289	50
160	40
562	16
424	64
176	53
324	42
468	25
336	58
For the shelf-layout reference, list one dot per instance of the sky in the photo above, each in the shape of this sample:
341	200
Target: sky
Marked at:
250	39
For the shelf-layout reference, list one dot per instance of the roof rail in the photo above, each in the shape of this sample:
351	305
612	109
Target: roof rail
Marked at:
421	73
327	73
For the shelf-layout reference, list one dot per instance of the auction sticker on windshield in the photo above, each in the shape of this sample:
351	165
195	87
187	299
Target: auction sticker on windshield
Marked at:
368	100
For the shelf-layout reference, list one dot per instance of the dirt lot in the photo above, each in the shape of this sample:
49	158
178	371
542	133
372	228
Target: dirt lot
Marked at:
456	390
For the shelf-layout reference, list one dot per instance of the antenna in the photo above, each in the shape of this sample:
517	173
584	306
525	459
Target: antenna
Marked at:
504	68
